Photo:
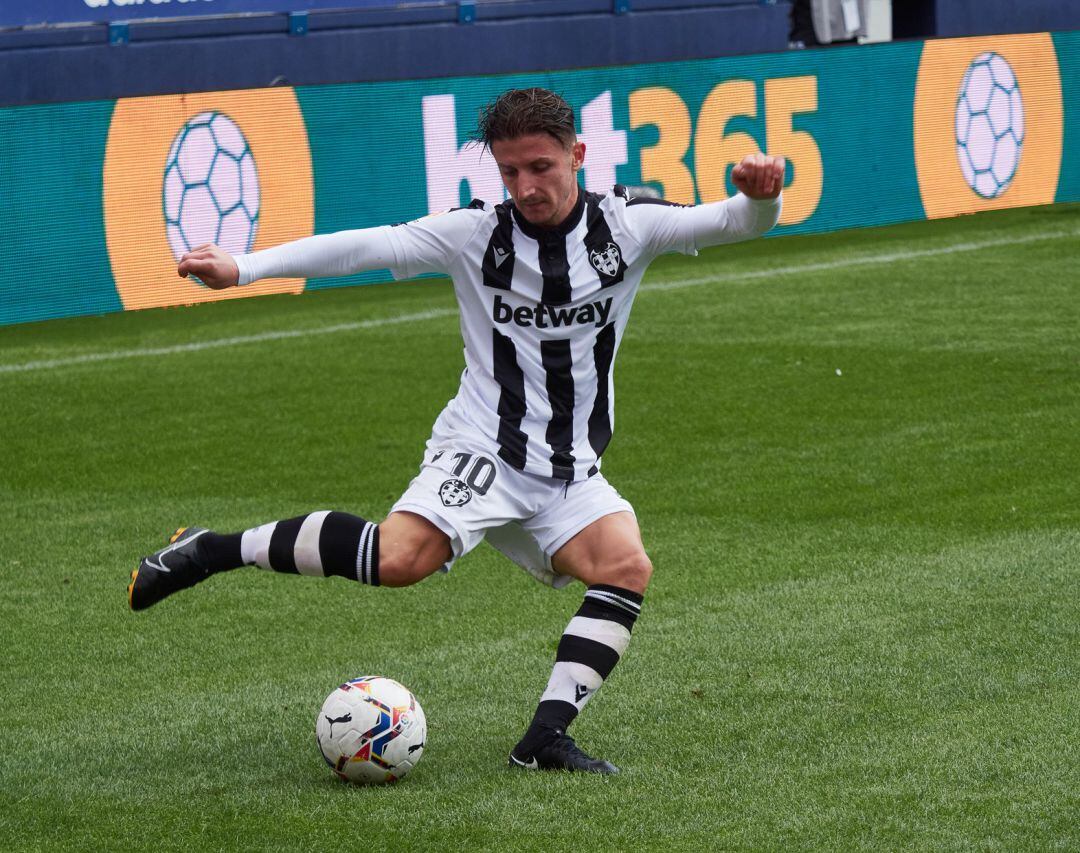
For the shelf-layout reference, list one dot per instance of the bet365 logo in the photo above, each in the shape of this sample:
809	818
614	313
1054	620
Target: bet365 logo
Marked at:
667	163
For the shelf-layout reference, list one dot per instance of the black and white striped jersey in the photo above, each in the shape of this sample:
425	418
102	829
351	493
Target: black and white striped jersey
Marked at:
543	312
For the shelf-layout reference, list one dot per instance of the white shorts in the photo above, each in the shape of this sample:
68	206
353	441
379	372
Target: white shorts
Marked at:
470	495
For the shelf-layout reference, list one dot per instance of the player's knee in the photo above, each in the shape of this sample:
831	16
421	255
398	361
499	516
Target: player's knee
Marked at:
402	568
410	549
632	572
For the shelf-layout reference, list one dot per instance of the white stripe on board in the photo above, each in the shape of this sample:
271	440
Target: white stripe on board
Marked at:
654	287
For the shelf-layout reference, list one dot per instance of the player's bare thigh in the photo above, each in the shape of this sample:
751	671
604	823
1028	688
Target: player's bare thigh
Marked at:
608	551
410	549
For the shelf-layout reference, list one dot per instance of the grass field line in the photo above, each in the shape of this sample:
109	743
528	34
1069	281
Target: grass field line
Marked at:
214	343
660	286
860	260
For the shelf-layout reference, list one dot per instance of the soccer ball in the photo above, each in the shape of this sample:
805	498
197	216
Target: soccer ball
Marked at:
989	125
371	730
211	188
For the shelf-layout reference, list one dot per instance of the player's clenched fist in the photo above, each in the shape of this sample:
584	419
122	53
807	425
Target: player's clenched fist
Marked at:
213	266
759	176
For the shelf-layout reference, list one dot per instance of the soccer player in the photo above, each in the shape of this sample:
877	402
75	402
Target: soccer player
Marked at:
545	282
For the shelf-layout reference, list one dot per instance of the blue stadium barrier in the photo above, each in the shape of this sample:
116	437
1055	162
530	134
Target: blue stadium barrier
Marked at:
22	13
994	17
409	41
26	13
957	18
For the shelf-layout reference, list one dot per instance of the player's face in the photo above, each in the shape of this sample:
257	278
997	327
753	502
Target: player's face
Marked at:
540	173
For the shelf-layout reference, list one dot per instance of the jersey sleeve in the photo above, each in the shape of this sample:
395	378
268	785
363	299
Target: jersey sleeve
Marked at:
423	245
431	243
662	227
321	256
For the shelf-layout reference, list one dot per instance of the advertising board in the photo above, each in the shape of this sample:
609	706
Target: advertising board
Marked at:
100	199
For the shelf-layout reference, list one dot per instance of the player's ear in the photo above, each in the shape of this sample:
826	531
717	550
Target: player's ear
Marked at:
577	155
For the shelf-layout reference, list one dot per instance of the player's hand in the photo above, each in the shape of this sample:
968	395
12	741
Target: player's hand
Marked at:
759	176
212	265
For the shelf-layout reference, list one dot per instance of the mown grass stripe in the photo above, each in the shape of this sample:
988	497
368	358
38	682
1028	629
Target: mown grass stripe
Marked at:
654	287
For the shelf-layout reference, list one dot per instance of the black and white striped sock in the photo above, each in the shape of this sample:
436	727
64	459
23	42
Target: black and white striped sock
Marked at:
590	647
320	544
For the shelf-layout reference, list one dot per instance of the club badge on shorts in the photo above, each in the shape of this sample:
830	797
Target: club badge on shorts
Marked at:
455	493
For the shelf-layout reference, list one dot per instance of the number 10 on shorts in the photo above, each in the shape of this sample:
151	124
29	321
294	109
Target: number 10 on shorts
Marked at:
477	473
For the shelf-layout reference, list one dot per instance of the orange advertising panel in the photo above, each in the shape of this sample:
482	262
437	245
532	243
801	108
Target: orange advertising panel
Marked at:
988	124
231	168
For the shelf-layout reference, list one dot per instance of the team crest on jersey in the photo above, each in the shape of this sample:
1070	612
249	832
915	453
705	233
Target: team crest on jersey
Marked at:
455	493
606	261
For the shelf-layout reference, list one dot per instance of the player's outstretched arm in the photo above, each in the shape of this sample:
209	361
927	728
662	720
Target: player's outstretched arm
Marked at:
759	176
342	253
212	265
423	245
749	213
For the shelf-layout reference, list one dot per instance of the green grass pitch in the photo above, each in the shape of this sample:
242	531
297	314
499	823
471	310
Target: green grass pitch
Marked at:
855	462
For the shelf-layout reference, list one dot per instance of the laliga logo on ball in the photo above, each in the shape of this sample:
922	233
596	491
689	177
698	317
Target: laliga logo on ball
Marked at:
989	125
211	188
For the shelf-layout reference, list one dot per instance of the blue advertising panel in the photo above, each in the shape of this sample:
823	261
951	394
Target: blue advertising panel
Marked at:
21	13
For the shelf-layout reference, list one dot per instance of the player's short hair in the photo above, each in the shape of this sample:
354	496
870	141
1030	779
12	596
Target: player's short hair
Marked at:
519	112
